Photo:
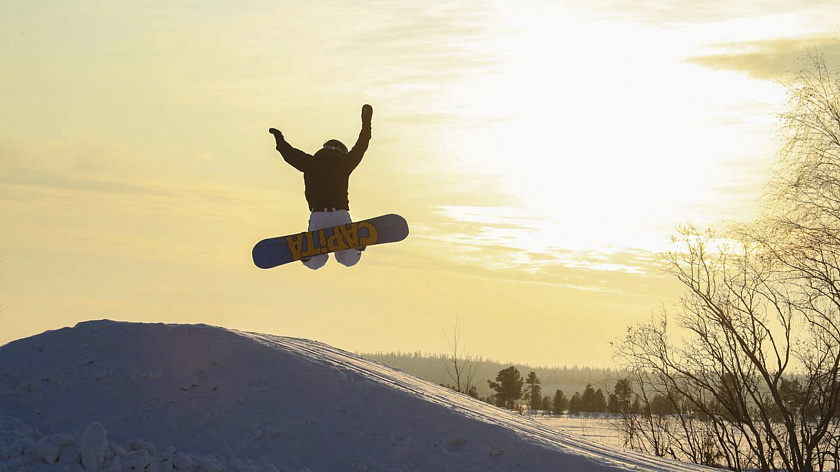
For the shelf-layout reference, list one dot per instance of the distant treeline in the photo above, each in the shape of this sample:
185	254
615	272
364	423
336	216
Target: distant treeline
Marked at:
431	367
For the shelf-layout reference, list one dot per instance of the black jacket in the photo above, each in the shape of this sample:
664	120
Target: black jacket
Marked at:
327	173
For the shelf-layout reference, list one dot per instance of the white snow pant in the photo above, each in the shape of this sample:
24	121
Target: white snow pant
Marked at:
328	219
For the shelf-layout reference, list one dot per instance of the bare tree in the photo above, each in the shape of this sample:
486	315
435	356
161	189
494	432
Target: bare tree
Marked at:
757	352
735	347
460	366
802	232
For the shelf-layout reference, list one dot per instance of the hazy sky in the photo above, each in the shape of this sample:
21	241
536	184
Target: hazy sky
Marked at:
542	151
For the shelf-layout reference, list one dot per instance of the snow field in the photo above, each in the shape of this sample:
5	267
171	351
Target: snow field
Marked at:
223	400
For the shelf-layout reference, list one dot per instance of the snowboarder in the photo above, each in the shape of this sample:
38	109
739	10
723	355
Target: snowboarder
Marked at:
326	176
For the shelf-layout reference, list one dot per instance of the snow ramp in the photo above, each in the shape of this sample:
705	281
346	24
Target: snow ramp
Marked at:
197	397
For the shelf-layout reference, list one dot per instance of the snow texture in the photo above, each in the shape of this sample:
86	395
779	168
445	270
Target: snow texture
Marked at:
210	399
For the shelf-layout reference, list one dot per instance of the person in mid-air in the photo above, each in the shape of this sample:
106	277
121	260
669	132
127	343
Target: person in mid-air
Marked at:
326	176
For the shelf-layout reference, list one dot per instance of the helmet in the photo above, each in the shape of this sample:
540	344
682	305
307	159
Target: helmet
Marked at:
336	145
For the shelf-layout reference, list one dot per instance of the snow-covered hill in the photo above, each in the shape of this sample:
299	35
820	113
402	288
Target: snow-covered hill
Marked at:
128	396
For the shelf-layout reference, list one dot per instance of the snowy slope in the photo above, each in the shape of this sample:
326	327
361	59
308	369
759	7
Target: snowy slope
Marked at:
206	398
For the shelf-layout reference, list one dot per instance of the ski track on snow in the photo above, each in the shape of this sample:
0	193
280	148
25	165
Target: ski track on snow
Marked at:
530	430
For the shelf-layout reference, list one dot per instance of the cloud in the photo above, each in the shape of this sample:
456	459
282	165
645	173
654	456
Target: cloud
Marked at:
678	12
507	239
410	51
776	59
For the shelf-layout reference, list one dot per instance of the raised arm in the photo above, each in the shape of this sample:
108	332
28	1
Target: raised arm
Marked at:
354	157
295	157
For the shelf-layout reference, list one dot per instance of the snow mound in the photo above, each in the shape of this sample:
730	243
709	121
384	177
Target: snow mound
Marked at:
78	398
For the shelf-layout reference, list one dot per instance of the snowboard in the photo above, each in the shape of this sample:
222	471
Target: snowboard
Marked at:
273	252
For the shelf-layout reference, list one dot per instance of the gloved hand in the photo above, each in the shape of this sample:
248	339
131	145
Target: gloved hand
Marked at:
278	135
279	140
367	114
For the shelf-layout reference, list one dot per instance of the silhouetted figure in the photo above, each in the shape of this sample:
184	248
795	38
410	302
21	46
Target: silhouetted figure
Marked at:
326	176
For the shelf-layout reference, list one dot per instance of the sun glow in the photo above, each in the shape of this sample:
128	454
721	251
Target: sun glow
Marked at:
605	130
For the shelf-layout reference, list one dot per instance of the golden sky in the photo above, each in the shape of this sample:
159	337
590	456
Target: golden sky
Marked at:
542	151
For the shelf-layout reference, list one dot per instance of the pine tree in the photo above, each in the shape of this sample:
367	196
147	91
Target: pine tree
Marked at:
599	404
575	404
620	400
546	404
533	392
559	403
587	400
508	387
612	403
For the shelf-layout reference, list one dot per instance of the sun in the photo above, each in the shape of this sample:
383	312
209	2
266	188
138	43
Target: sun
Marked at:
606	130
